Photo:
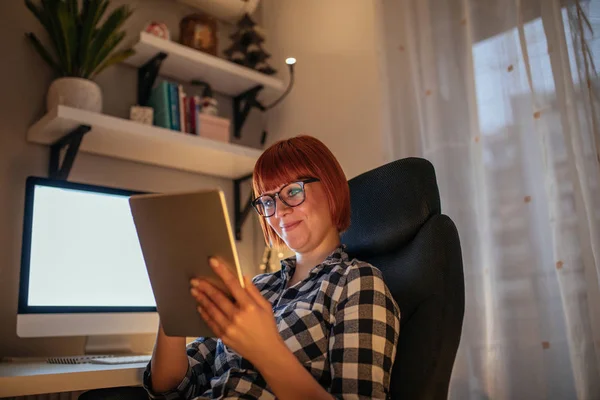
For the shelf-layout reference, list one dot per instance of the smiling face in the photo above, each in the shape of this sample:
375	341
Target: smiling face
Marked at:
325	211
304	226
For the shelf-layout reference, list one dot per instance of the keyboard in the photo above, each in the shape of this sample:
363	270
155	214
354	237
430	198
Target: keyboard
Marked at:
121	360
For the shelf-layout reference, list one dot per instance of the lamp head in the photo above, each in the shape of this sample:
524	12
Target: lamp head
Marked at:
291	61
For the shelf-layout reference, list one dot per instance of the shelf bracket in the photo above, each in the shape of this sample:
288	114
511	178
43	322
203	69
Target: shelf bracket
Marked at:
242	104
71	141
147	74
240	214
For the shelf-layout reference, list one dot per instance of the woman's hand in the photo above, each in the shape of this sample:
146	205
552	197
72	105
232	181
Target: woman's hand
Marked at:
249	328
248	325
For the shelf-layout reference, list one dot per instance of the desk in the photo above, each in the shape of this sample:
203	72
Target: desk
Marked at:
21	378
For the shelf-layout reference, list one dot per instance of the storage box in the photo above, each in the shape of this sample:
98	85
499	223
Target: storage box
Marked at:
143	115
213	127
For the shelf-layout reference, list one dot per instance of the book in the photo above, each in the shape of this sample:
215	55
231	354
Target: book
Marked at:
174	106
186	107
193	108
182	109
190	119
159	101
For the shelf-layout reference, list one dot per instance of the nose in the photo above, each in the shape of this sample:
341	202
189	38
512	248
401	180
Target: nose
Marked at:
281	208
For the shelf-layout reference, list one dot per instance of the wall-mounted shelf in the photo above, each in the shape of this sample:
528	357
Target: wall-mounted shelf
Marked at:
130	140
186	64
155	56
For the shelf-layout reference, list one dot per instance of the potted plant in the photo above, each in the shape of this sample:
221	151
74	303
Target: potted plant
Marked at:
81	47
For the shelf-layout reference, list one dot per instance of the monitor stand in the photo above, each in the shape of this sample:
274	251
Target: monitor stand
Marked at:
107	344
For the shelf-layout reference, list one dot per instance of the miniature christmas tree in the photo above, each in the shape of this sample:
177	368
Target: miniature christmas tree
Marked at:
247	49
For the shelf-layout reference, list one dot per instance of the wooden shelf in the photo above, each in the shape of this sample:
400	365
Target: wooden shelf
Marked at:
186	64
130	140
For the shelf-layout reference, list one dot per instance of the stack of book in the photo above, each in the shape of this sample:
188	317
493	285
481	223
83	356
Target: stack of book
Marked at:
173	109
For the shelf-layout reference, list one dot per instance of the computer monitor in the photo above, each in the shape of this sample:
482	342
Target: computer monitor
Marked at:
82	268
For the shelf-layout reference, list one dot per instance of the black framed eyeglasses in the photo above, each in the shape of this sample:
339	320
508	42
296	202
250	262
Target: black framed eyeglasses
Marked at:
292	195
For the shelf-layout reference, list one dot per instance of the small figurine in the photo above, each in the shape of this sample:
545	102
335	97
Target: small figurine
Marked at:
210	105
247	49
158	29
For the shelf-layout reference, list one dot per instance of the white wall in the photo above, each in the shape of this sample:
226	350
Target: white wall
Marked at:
339	92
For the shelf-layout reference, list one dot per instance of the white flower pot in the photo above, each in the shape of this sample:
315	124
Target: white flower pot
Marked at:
75	92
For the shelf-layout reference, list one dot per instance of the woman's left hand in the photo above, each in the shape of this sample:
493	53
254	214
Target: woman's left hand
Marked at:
248	325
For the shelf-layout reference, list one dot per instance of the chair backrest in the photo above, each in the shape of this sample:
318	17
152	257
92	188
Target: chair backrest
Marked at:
397	226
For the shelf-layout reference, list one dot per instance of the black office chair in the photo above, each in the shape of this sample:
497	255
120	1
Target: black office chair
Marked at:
397	227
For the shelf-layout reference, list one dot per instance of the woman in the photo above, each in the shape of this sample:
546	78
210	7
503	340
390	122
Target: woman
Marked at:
323	327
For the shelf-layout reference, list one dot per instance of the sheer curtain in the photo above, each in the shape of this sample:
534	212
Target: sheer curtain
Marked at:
502	96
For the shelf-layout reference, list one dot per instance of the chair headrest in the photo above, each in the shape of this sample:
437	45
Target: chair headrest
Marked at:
389	204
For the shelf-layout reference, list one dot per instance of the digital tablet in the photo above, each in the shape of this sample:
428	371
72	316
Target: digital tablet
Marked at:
178	232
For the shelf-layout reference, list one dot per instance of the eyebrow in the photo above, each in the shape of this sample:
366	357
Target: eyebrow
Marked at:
271	192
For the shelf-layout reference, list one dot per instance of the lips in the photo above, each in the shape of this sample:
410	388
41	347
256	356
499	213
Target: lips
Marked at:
290	225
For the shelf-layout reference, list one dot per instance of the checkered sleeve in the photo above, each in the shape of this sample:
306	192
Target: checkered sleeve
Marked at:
201	360
362	345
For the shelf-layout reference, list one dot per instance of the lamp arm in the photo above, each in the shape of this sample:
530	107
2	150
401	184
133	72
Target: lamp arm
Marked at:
287	90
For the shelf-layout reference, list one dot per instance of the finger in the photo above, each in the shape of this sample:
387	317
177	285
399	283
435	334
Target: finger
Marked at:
218	297
231	282
209	321
256	295
212	311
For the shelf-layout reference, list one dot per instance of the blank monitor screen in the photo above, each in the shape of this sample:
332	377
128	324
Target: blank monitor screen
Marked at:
81	251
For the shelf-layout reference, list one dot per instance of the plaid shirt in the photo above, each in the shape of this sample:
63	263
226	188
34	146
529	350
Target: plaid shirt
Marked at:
341	322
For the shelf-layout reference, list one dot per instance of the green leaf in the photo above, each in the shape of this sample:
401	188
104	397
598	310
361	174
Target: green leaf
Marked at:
50	8
73	8
109	45
69	32
116	58
97	57
88	15
38	13
37	45
108	37
102	6
92	12
43	15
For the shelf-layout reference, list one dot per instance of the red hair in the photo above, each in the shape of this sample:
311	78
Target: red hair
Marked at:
296	158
